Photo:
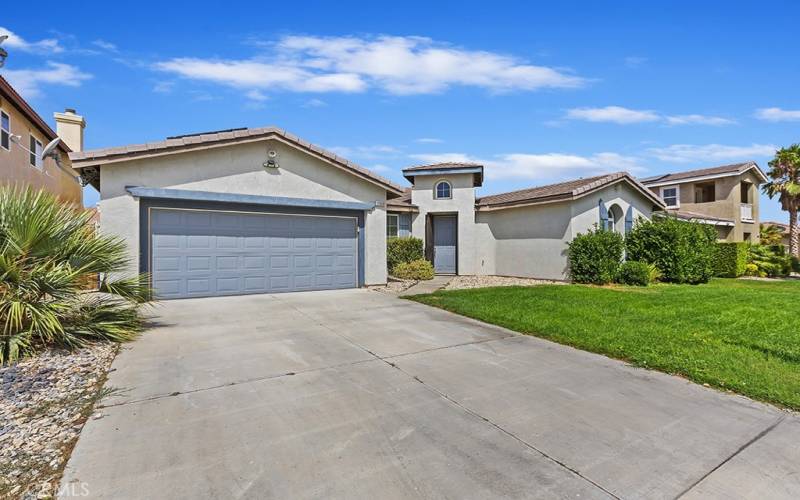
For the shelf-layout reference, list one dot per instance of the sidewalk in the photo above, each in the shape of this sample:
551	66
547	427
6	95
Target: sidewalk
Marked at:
429	286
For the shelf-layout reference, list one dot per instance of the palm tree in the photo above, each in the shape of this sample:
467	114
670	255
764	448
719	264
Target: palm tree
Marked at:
49	252
784	174
770	234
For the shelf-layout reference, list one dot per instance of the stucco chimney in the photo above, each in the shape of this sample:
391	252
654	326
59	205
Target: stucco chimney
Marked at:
69	126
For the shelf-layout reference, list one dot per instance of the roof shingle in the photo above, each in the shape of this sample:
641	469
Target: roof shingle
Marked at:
733	168
176	144
561	191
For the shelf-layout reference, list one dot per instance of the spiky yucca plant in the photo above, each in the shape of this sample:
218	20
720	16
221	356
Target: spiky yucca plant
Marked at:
49	251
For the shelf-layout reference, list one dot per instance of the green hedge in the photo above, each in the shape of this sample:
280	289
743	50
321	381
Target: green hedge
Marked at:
634	273
683	251
419	269
730	260
400	250
595	257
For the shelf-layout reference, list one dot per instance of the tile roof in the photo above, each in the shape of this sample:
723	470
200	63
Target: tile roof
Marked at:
8	92
442	166
734	168
404	199
562	191
784	227
177	144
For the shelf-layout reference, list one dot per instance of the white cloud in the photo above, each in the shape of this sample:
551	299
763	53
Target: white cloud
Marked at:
612	114
778	114
108	46
429	140
315	103
258	75
627	116
256	95
163	87
44	46
698	120
710	153
28	82
541	167
634	61
398	65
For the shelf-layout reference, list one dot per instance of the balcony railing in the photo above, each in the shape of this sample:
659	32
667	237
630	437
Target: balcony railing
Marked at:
747	212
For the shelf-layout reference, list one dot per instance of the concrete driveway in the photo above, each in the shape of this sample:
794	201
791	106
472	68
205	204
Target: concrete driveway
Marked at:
356	394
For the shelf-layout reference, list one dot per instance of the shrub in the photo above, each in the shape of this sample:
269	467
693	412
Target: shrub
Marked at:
770	260
795	264
752	270
730	259
683	251
399	250
419	269
48	251
595	257
634	273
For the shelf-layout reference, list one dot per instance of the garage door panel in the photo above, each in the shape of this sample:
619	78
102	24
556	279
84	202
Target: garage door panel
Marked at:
197	253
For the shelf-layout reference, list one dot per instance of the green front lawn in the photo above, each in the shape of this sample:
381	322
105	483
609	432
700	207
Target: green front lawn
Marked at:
733	334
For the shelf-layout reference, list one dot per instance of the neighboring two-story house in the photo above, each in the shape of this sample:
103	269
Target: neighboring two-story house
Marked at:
24	135
725	197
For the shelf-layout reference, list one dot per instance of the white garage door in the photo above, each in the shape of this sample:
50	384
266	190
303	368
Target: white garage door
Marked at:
202	253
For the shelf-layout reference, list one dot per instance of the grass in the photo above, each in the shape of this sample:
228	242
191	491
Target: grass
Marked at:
736	335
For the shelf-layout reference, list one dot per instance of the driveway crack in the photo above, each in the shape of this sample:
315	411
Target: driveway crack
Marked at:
457	404
746	445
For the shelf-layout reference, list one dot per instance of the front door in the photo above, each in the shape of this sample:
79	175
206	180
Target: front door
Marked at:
445	238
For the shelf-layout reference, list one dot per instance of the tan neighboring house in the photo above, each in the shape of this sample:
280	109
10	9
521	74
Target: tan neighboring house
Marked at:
725	197
784	231
23	136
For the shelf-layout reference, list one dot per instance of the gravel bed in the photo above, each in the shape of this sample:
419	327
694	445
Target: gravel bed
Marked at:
465	282
44	403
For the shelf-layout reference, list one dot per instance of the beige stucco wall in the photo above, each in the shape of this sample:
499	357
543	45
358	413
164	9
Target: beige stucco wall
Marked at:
532	241
15	167
524	241
238	169
727	203
462	203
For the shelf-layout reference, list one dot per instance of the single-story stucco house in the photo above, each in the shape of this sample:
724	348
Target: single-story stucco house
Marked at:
261	210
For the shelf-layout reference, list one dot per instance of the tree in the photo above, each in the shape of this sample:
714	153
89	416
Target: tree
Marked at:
49	254
770	234
784	174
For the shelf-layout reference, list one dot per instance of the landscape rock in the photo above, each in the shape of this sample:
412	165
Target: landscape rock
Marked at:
43	404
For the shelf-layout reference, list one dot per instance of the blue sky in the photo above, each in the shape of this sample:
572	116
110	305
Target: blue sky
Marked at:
539	93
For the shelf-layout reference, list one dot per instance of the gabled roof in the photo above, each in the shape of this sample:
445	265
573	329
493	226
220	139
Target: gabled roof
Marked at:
440	166
705	173
8	93
402	203
209	140
562	191
446	168
783	226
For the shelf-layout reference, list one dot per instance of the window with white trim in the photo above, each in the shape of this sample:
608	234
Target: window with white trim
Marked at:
5	131
670	195
35	152
443	190
392	225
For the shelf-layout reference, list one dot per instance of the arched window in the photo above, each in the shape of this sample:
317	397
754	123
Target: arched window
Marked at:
442	190
616	219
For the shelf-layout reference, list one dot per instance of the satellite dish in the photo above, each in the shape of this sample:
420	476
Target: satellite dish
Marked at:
51	146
